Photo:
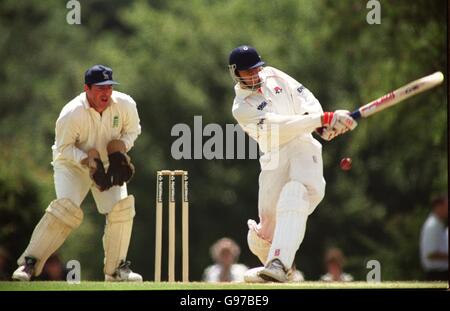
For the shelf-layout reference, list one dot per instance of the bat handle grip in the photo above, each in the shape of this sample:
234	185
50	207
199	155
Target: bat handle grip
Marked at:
355	114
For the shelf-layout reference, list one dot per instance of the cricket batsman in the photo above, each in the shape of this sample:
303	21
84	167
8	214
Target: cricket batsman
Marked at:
93	134
270	103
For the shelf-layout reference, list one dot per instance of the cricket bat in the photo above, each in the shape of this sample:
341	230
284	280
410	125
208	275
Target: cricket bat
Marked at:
400	94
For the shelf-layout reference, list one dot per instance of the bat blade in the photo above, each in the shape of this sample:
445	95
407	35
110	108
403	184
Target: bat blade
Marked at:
400	94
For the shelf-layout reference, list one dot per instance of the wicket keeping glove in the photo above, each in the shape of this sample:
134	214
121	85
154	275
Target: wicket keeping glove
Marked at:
120	170
97	170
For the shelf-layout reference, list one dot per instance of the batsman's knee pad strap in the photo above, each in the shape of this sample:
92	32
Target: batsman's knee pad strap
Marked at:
293	198
123	211
66	211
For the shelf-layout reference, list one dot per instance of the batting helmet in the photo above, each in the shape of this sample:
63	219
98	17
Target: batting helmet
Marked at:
243	57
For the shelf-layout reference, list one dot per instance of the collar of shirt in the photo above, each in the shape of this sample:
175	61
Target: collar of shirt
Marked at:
85	101
242	93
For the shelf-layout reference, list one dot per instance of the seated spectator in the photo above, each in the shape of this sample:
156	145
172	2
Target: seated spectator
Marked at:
53	269
334	262
434	241
225	253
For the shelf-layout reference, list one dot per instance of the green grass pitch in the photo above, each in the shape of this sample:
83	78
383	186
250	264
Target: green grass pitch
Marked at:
88	285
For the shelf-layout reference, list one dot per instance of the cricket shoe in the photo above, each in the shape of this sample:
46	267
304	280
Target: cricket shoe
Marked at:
252	276
25	271
274	271
123	274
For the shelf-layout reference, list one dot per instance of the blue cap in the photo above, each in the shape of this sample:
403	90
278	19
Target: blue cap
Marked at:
245	57
99	75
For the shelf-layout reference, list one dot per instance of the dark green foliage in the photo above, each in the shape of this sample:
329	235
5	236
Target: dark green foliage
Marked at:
171	57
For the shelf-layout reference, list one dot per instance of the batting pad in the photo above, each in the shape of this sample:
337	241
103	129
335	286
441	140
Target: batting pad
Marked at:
256	244
60	218
116	238
292	213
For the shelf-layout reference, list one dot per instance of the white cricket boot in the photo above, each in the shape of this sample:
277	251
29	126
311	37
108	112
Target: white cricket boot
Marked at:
25	271
295	276
252	276
123	274
274	271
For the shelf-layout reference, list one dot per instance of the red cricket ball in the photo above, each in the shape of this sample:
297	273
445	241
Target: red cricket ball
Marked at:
346	164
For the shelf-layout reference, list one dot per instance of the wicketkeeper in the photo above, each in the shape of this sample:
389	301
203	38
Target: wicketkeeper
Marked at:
93	134
280	114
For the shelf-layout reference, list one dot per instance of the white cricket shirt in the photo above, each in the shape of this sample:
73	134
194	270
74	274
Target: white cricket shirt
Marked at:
280	103
433	238
80	128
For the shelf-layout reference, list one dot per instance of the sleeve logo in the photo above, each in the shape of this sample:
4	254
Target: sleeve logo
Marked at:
262	105
261	123
300	89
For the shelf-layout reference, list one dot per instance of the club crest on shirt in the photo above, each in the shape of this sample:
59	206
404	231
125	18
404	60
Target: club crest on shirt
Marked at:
278	90
262	105
115	121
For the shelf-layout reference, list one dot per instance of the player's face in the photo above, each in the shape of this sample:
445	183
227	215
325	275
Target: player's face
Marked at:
250	77
99	96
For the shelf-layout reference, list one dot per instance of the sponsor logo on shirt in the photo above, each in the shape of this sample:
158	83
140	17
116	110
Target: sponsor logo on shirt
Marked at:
278	90
300	89
262	105
116	121
261	123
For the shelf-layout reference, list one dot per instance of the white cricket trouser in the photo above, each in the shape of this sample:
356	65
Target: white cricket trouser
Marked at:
73	182
299	160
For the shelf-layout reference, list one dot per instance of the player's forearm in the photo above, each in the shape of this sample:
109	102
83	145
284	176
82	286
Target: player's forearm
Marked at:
293	125
66	138
132	129
129	139
71	152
